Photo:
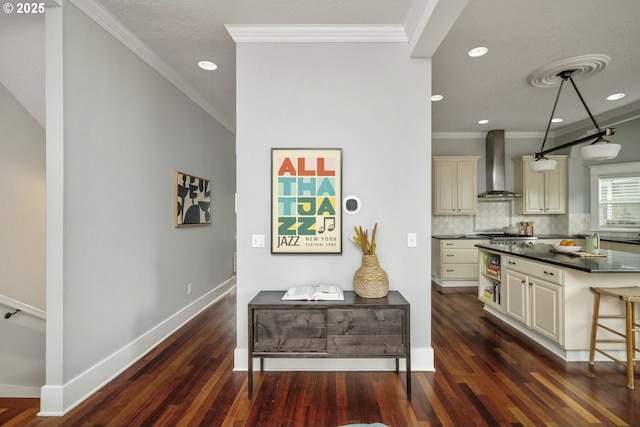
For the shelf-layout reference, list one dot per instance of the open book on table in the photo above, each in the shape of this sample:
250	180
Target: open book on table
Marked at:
314	293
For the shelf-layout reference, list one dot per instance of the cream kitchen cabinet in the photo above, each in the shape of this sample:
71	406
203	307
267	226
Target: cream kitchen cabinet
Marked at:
455	262
623	247
542	193
533	296
455	187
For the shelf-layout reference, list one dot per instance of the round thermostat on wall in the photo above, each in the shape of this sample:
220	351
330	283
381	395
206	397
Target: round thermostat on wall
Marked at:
351	204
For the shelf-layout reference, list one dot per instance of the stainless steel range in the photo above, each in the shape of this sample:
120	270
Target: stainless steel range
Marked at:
509	239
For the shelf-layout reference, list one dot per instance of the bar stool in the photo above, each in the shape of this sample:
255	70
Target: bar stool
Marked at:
629	295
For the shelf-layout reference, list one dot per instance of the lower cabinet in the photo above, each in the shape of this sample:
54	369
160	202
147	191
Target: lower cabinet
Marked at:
530	293
546	309
455	262
535	303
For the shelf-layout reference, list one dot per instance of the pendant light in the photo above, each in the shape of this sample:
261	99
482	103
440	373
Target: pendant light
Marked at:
599	149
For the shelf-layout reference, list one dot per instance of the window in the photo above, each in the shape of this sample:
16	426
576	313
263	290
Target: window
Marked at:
615	196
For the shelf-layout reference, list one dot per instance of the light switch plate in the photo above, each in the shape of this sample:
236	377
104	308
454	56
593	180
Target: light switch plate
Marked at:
412	240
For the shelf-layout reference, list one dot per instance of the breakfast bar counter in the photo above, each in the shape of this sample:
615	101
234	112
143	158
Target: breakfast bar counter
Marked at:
546	295
614	262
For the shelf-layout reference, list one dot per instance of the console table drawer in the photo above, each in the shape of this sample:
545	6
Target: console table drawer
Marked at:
365	331
290	330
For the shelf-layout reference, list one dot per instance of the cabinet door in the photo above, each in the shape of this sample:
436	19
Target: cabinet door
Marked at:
546	309
446	187
517	296
534	191
467	187
555	188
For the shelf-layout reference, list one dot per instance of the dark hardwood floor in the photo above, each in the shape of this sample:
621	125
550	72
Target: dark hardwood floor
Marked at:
485	376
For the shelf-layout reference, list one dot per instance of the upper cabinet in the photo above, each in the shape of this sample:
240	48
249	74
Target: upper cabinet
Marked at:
455	185
542	193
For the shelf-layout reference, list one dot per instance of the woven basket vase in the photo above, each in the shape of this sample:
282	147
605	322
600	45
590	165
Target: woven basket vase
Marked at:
370	280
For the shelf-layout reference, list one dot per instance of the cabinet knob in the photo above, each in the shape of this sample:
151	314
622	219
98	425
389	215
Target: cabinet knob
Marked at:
530	283
524	281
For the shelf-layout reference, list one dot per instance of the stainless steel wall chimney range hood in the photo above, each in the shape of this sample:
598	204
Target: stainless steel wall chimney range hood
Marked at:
495	166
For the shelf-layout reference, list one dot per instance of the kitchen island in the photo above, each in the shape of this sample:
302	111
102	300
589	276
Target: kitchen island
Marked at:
546	295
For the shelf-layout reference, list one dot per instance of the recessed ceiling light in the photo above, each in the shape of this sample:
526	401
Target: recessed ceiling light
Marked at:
557	120
437	97
483	121
615	96
478	51
207	65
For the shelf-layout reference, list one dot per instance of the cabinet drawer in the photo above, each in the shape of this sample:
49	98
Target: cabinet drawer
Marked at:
544	271
461	244
285	330
373	331
460	271
460	256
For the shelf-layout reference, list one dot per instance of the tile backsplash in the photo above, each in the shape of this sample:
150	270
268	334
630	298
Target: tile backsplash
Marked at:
493	215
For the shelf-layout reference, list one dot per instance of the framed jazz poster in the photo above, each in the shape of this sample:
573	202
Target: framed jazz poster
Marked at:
306	187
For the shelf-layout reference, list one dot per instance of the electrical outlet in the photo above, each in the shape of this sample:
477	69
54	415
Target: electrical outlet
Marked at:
189	288
257	240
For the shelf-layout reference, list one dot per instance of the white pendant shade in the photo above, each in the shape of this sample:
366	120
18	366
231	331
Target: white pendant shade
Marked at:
600	151
542	165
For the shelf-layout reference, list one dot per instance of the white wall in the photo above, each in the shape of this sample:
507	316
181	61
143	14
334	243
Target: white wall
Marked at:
371	100
22	248
22	210
125	268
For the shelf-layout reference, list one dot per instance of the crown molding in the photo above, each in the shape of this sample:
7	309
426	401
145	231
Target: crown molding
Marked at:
482	135
109	23
317	33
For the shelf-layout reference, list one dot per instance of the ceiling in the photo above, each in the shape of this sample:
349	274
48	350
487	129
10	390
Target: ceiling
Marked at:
522	36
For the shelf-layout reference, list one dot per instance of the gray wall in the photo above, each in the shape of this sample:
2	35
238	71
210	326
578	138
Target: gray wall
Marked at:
126	130
516	145
372	101
22	210
627	135
627	132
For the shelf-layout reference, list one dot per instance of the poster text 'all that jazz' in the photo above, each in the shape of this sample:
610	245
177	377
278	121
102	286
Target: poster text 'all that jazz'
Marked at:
304	192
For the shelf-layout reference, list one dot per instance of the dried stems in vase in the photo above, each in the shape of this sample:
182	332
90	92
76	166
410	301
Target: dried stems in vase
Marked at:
362	239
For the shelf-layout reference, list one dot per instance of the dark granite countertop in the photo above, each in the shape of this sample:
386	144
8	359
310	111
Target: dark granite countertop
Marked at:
459	237
614	262
604	238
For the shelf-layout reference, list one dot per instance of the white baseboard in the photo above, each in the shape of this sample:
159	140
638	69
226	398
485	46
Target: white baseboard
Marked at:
8	390
58	400
421	360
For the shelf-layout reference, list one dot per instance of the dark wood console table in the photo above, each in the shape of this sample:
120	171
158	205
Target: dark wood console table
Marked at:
356	327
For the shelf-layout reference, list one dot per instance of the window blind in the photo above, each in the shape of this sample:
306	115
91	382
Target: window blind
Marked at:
620	202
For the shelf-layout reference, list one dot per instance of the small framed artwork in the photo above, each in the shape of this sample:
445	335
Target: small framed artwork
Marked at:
306	194
191	201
